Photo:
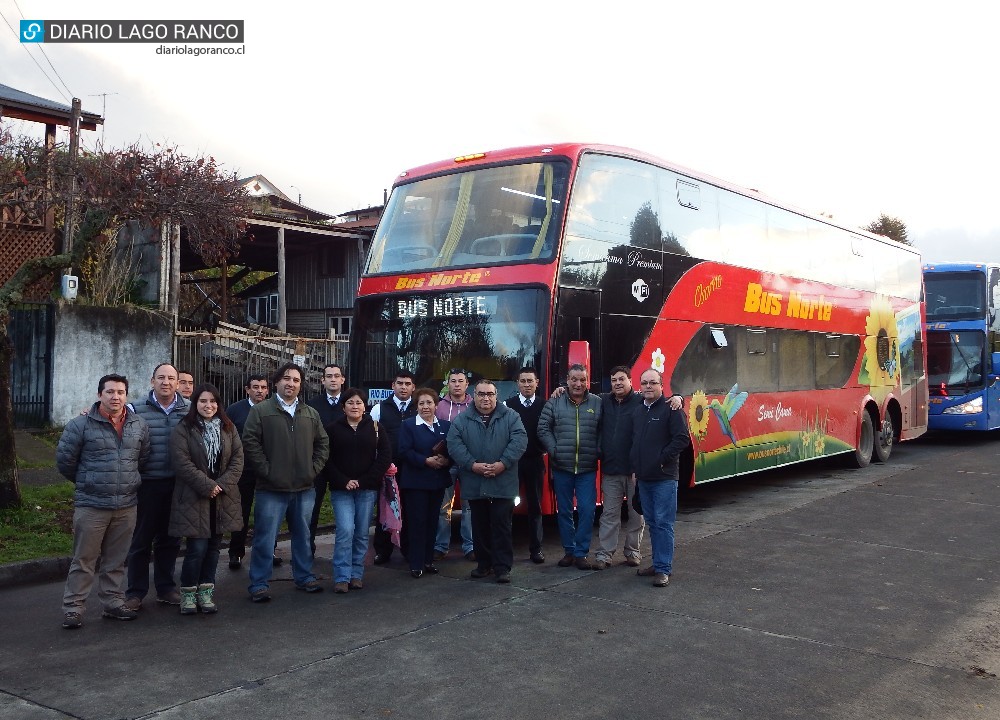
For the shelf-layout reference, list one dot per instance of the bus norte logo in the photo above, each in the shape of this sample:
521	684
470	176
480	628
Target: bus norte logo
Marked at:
640	290
439	279
799	305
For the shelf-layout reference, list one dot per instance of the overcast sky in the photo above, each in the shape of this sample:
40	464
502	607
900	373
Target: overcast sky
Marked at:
849	108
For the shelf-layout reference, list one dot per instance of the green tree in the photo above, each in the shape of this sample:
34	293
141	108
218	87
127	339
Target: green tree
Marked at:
891	227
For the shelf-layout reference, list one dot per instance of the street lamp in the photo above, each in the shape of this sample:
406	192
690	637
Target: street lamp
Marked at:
300	193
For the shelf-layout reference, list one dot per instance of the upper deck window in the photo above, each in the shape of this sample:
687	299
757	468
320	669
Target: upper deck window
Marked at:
484	216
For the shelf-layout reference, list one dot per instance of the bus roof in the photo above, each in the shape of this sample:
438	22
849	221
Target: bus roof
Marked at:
574	152
957	266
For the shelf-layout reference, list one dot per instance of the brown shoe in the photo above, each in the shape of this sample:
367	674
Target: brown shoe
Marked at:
356	584
661	580
632	561
567	560
171	597
134	604
340	587
646	572
584	564
601	564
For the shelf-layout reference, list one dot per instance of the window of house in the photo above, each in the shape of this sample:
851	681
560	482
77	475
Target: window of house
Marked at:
340	324
263	310
333	260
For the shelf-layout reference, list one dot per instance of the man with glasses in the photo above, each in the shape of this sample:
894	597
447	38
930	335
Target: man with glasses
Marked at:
327	404
660	434
455	401
569	430
485	442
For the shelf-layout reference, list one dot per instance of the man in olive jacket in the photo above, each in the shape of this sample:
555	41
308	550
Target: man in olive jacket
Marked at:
569	429
286	447
485	442
102	453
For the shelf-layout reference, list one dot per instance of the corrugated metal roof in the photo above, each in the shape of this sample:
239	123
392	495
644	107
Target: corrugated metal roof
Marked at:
18	99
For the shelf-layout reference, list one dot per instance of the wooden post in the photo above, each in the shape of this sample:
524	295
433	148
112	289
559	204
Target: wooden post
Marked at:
281	280
74	150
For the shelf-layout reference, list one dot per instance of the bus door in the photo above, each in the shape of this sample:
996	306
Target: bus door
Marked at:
578	317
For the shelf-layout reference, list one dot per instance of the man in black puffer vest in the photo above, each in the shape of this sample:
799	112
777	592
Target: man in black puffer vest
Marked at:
162	409
389	414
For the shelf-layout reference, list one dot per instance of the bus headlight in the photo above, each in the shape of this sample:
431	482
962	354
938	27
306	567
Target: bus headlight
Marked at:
970	408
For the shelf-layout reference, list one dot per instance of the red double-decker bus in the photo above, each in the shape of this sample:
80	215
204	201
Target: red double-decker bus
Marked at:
791	337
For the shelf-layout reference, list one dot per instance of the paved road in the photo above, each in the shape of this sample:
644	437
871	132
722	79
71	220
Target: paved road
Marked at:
811	592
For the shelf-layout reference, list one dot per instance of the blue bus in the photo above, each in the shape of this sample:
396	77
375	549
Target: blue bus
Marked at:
963	345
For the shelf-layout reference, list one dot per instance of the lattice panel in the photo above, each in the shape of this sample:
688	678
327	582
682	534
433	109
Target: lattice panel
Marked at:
16	246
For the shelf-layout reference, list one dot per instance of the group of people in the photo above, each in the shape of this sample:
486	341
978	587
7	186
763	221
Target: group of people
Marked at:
150	473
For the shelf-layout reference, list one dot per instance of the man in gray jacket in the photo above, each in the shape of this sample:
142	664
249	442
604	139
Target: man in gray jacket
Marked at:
101	453
485	442
570	431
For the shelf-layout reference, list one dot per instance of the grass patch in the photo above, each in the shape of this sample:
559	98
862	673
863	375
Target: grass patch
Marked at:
42	527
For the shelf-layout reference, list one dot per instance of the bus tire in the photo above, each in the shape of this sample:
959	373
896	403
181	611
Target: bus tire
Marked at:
884	439
866	442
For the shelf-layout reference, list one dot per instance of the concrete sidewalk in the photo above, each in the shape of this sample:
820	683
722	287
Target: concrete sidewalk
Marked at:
812	592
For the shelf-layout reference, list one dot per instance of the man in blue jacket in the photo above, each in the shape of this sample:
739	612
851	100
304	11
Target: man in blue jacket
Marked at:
102	453
660	434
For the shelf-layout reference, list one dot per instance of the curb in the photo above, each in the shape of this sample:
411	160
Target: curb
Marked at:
44	570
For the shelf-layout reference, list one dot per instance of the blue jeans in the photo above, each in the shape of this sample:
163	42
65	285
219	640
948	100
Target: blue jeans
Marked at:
352	511
659	507
270	509
575	540
201	558
443	540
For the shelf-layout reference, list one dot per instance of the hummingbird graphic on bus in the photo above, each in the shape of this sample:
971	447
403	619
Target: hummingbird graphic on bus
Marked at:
726	410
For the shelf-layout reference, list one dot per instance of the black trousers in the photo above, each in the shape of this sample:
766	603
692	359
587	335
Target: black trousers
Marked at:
238	539
530	471
150	537
320	484
491	533
421	510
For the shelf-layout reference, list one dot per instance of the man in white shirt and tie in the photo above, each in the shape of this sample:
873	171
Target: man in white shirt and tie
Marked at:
327	404
531	467
389	414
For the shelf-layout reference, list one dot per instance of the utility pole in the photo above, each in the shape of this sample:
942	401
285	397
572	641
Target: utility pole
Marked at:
74	151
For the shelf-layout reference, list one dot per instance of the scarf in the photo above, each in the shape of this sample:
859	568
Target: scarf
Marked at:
211	433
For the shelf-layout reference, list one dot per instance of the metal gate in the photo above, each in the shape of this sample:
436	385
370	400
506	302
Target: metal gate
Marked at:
31	331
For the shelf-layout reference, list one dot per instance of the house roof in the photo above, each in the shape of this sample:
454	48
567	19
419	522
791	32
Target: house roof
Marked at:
18	104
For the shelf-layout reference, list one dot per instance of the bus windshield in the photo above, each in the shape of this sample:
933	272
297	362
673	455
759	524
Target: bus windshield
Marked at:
955	296
484	216
955	362
491	334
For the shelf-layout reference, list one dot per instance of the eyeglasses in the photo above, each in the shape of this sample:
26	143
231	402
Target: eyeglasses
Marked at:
650	382
486	394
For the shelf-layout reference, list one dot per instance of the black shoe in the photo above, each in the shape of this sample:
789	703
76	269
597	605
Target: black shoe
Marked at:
72	621
415	574
431	569
471	556
276	561
478	572
537	558
503	577
382	559
120	613
260	596
235	563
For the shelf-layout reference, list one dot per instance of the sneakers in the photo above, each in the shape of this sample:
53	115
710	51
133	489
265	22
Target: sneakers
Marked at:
478	573
661	580
567	560
312	586
583	563
204	598
262	595
72	621
120	613
169	598
134	604
189	606
341	587
601	564
631	561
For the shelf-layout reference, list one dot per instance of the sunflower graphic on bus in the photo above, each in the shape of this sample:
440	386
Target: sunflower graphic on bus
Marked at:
880	363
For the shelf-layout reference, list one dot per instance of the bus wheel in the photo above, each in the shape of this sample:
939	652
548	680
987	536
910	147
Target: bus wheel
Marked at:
866	444
884	438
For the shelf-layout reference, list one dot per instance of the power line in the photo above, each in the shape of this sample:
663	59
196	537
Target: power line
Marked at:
46	56
41	69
